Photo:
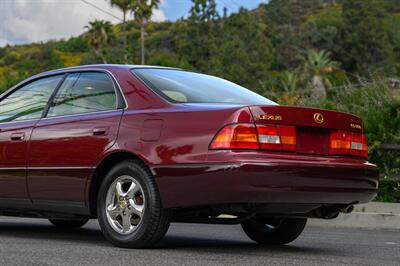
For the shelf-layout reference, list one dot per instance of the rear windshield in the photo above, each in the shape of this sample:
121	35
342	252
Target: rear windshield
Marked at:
188	87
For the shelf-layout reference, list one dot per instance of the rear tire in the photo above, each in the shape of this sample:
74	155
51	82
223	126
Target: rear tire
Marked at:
129	207
274	231
68	223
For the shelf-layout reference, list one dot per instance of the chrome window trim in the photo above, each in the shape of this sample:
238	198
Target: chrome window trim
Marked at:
63	72
20	121
62	116
80	114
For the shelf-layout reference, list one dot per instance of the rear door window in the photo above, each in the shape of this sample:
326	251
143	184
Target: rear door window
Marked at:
85	92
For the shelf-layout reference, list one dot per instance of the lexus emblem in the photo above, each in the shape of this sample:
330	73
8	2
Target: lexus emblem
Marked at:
319	118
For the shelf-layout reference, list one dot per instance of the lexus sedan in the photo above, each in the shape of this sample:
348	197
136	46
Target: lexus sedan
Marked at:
139	147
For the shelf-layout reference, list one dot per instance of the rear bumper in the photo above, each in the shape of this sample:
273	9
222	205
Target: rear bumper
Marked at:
275	180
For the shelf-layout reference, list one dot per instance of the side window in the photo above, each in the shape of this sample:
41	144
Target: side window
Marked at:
84	93
29	101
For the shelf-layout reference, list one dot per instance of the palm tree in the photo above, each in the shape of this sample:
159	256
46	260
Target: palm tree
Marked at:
318	64
290	83
100	35
124	6
142	11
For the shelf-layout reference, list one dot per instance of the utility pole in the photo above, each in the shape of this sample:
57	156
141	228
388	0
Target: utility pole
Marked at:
141	21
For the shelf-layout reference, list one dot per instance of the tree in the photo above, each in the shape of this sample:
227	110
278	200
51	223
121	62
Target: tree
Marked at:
100	35
237	50
366	47
291	12
195	38
290	83
203	11
142	11
318	64
202	14
124	6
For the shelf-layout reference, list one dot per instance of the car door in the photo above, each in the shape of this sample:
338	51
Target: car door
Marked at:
81	124
20	110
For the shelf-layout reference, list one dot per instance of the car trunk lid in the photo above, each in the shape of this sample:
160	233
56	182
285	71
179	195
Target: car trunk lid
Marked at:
313	126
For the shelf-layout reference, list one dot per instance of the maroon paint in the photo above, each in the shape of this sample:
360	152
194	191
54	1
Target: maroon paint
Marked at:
173	140
13	157
302	116
72	144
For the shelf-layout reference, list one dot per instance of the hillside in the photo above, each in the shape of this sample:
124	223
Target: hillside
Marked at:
250	47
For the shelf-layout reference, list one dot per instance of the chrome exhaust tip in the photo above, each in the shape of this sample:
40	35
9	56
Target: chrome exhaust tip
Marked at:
348	209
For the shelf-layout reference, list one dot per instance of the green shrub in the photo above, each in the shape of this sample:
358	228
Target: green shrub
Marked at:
74	45
389	191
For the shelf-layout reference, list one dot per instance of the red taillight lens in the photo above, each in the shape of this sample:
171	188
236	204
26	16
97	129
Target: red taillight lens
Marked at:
346	142
277	137
249	136
239	136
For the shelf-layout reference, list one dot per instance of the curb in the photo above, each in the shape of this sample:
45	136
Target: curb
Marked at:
374	215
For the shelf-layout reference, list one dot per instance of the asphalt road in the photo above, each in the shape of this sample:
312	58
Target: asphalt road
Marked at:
36	242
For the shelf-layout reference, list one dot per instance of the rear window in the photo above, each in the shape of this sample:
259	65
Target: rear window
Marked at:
188	87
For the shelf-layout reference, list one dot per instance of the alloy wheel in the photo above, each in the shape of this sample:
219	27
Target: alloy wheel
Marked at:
125	204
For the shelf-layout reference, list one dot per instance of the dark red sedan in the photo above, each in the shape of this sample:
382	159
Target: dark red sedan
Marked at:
140	147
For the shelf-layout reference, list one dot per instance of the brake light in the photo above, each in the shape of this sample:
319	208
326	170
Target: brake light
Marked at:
239	136
346	142
249	136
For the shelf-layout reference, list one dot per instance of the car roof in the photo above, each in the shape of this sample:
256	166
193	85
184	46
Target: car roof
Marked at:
94	67
108	67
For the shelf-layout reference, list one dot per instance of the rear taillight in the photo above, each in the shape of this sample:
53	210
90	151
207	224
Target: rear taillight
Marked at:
283	138
238	136
249	136
277	137
346	142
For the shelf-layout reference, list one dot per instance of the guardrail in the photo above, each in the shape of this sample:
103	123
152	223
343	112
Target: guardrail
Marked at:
390	147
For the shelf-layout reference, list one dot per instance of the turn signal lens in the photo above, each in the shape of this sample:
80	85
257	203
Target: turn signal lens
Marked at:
239	136
346	142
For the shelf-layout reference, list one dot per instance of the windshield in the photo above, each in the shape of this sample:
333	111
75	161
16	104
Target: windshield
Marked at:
188	87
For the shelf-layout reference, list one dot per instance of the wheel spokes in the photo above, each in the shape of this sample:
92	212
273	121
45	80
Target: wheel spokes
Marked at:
113	211
132	190
119	192
135	208
125	204
126	222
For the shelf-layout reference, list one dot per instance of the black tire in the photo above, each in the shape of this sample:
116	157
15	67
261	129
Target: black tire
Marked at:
155	221
274	231
68	223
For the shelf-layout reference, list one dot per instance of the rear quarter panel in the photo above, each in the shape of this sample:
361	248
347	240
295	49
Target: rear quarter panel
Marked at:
185	132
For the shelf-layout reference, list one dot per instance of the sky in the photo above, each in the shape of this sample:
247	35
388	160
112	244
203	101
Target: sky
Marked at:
27	21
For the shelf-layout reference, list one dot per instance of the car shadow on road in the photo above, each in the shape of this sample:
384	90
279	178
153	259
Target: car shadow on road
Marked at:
48	232
199	244
173	241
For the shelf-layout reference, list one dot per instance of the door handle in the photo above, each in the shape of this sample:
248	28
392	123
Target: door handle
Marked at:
100	131
17	136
